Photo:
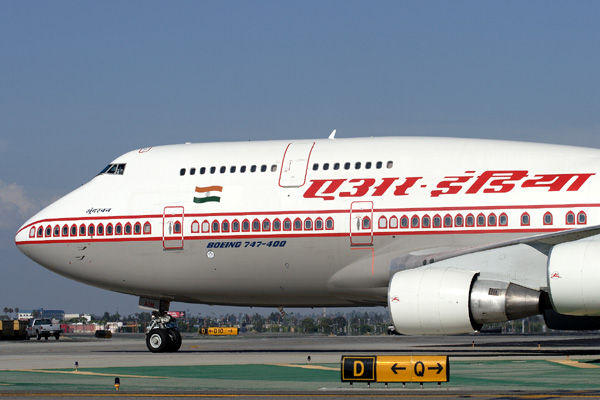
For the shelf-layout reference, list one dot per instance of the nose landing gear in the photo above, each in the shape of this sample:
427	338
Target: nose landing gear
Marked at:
163	334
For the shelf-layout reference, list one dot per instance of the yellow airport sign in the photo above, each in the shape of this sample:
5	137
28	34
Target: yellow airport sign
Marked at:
216	331
416	368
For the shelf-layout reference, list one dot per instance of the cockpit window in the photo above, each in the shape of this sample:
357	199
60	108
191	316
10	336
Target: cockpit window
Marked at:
113	169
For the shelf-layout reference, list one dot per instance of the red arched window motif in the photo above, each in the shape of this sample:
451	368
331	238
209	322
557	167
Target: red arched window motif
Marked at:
256	225
32	232
426	221
82	230
177	227
91	230
525	219
570	218
308	224
195	226
215	226
383	223
581	218
437	221
235	226
393	222
448	221
100	230
415	221
137	228
245	226
118	229
40	231
205	226
329	223
548	220
56	231
319	225
459	221
109	229
297	224
470	220
276	224
147	228
404	222
366	223
225	226
481	220
266	225
128	229
492	220
287	224
503	220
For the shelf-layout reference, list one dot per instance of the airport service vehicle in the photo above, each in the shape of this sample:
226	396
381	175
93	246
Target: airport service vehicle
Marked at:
450	234
43	328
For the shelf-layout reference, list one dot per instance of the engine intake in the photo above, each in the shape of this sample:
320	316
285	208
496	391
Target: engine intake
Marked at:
574	276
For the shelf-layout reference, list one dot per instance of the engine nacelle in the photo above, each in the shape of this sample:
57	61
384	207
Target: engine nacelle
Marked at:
443	301
574	277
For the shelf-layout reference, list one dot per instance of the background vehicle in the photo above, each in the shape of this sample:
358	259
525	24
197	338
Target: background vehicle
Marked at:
43	328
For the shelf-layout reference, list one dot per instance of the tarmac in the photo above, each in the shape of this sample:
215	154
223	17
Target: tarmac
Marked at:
277	365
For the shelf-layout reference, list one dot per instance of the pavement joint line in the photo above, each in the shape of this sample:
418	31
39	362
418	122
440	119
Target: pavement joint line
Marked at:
576	364
86	373
306	366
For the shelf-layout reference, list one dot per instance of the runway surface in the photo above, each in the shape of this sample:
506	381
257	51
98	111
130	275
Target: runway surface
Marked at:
277	366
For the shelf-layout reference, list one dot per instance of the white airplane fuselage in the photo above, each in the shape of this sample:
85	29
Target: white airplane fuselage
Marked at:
311	222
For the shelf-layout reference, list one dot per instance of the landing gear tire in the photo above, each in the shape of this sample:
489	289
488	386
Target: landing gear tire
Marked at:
175	340
157	340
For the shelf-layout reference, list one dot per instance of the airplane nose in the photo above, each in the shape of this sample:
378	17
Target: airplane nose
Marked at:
23	234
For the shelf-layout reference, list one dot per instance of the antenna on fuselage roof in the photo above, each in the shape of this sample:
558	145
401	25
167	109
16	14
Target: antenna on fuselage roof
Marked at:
332	135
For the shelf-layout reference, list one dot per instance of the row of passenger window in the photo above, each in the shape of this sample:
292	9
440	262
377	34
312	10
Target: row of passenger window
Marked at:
299	224
265	225
91	230
348	165
263	168
223	169
449	221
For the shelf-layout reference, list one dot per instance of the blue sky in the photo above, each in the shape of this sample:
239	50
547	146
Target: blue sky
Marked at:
82	82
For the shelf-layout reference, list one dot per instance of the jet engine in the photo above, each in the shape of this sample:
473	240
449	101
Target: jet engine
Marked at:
442	300
574	277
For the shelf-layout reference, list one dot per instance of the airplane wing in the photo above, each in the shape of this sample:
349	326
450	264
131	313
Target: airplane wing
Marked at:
542	243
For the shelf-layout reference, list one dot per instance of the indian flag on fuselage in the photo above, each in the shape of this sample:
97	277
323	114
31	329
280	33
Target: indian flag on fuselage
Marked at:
206	194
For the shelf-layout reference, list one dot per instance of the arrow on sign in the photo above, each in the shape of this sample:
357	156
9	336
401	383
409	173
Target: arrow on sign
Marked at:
396	368
439	368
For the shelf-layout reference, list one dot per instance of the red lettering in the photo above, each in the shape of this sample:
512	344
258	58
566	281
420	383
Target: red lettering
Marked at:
385	185
557	182
448	186
498	185
317	184
360	190
408	183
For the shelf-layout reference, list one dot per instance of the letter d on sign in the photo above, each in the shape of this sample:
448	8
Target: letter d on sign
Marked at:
356	367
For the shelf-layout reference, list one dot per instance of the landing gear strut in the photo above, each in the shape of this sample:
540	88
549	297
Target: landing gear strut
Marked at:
163	333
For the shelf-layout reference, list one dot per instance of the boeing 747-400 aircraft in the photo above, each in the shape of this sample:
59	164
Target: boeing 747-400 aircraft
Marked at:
450	234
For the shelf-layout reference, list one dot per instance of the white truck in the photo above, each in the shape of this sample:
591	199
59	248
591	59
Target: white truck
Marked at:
43	328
